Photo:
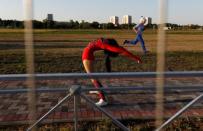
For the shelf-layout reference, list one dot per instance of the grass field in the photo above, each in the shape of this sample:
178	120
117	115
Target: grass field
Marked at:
60	50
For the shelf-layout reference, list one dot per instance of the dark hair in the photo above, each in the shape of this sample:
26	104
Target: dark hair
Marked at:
109	54
112	42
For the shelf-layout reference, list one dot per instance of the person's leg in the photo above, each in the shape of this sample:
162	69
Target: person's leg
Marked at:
134	42
88	65
142	44
97	84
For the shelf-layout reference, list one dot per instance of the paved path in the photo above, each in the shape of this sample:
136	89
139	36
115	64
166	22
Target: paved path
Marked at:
138	104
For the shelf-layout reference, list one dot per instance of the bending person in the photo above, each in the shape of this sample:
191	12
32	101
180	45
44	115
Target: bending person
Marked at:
111	49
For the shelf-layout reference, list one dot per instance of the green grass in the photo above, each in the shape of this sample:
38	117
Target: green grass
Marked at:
55	57
63	31
60	51
12	61
191	32
93	31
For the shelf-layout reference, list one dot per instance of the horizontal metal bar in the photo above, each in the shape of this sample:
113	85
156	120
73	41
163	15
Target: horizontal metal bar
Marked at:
112	89
101	75
166	88
40	90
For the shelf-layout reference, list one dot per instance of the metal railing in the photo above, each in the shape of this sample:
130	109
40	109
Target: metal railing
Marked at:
167	89
57	76
77	91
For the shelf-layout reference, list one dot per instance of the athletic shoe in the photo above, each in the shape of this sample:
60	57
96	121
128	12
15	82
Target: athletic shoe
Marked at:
101	102
94	92
126	41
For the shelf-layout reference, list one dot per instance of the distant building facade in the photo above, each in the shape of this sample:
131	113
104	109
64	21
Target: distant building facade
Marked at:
127	19
148	20
114	20
50	17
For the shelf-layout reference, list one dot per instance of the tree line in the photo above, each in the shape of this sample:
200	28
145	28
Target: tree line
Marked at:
47	24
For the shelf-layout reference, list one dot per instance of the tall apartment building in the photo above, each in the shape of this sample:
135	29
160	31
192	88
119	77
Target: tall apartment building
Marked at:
148	20
50	17
114	20
127	19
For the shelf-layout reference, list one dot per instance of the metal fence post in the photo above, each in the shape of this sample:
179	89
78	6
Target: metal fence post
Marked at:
76	99
75	90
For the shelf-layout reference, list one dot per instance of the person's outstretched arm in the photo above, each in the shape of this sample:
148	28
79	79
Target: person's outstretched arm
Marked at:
129	54
122	51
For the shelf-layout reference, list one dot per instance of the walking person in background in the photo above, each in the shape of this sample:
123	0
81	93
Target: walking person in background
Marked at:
139	28
111	49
